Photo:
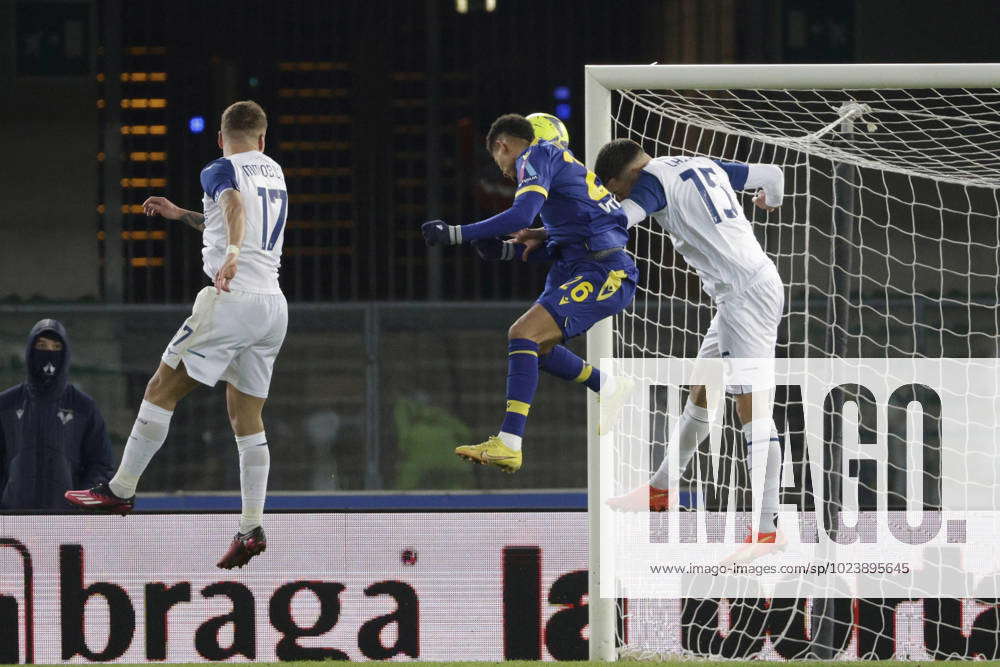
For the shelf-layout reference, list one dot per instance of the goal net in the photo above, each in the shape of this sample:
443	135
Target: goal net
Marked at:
888	244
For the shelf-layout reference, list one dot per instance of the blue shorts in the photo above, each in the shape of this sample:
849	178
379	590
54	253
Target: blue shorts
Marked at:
580	293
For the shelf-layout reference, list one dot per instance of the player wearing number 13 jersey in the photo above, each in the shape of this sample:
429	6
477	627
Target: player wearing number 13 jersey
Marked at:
694	200
592	277
235	329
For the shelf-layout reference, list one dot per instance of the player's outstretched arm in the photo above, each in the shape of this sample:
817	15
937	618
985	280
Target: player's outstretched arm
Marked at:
232	210
165	208
769	181
520	215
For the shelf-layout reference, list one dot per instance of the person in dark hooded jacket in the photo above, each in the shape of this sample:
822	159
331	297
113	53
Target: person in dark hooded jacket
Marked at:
52	436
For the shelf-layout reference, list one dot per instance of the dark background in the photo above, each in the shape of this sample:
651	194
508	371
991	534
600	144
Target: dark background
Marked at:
377	112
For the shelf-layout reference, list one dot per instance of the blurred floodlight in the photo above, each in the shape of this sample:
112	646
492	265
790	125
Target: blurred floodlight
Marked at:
465	6
196	124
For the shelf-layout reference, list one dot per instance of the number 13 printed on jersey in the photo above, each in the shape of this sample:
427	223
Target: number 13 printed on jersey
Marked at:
708	194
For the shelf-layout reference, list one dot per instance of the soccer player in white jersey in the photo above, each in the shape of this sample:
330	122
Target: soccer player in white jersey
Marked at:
236	327
693	200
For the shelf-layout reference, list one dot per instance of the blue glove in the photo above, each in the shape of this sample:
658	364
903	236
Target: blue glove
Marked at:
436	232
494	249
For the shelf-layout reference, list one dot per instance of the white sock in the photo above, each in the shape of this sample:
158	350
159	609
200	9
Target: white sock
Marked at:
148	433
255	461
512	441
691	430
770	448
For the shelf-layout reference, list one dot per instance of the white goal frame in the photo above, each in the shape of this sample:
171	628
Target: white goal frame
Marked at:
599	81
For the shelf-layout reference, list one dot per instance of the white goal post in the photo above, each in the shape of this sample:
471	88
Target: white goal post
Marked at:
606	85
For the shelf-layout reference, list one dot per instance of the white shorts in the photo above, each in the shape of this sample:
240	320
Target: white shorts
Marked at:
231	336
745	325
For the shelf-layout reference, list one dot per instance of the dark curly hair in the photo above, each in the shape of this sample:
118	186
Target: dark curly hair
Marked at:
513	124
614	157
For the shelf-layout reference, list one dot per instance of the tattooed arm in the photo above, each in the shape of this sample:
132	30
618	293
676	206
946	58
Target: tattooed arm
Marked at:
194	219
166	208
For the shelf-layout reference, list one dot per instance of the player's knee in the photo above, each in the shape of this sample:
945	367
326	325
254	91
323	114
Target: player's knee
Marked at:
168	386
698	396
245	417
246	424
519	330
545	340
237	422
533	331
154	387
744	408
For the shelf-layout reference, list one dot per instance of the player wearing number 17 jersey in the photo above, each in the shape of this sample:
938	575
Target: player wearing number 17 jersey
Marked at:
236	327
693	199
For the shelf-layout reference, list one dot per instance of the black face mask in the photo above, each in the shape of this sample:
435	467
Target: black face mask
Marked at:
44	367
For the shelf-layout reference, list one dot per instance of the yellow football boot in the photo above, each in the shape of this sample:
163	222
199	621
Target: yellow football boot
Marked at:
493	452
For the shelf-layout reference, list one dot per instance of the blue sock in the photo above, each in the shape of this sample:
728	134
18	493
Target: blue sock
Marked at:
564	364
522	381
